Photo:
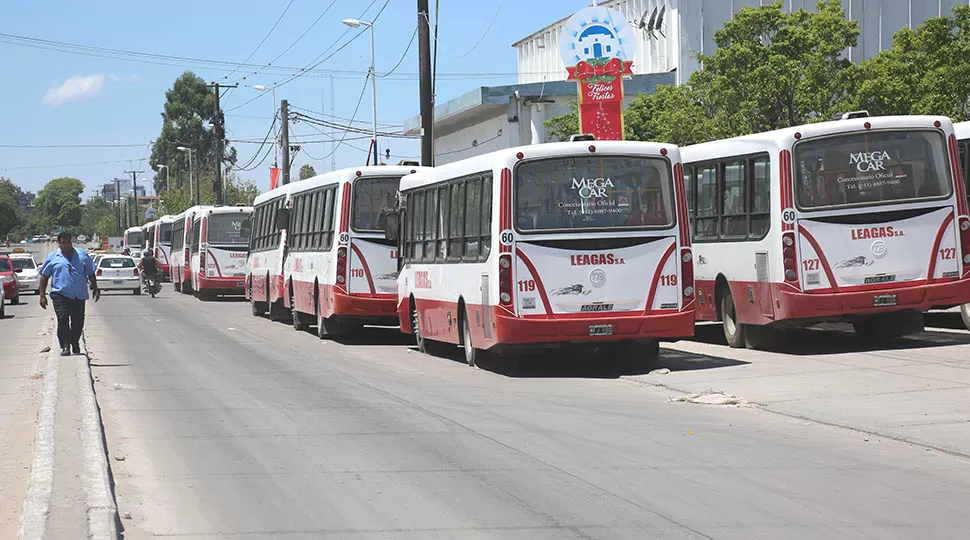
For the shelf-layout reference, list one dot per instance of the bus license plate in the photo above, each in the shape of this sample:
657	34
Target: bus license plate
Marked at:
240	284
601	329
884	300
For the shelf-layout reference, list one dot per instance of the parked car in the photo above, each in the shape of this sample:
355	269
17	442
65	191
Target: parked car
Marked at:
8	277
27	271
118	273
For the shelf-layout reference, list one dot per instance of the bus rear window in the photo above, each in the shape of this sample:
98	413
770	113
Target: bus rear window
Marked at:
229	229
871	168
136	238
371	196
587	192
165	233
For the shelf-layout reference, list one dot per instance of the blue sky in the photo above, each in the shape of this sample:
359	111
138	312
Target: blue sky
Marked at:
59	98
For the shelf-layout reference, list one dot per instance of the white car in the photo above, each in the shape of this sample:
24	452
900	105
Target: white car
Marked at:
27	272
118	273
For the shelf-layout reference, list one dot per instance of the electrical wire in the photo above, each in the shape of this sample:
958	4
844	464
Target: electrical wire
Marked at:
468	148
335	117
353	129
403	56
477	43
258	150
70	145
262	41
298	39
89	164
360	99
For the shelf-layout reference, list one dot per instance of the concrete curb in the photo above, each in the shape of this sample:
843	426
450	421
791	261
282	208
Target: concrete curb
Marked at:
102	509
33	520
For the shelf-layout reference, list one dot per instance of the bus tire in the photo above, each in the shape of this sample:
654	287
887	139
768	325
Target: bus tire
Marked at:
137	291
300	322
259	308
473	356
733	330
177	285
965	313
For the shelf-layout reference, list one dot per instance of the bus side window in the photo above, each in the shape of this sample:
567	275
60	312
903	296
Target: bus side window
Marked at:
706	222
734	222
486	217
760	197
965	166
473	220
444	225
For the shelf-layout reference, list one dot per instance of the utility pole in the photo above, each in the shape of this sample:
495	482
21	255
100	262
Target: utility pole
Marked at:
134	191
424	75
219	131
118	204
285	139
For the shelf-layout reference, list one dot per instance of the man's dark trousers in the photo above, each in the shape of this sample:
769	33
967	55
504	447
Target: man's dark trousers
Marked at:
70	320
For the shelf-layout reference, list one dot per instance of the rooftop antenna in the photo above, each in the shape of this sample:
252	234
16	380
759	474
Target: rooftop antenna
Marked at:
660	21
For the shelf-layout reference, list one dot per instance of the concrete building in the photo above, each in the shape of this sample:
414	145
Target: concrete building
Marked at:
669	34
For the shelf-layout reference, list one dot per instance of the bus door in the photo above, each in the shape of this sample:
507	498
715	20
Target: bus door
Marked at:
608	243
875	211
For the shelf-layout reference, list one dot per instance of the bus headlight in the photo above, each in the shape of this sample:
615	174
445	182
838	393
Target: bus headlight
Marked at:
788	241
340	279
964	225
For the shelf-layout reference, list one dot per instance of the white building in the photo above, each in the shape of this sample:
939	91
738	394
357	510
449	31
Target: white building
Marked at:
669	34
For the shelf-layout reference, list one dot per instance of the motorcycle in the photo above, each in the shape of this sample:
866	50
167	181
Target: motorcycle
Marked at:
152	286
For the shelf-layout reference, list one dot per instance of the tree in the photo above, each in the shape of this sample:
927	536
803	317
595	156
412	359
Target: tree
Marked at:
559	128
58	205
10	215
307	171
187	119
98	217
927	71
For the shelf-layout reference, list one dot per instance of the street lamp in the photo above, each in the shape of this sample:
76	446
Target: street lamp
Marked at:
168	186
356	23
193	190
276	135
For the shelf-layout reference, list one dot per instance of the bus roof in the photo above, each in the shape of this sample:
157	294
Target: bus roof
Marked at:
133	229
227	210
507	157
167	218
785	137
962	130
334	177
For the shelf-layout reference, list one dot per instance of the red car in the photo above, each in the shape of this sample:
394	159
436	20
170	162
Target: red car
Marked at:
11	286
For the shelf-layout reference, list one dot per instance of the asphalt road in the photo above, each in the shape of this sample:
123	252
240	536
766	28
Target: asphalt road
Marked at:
221	425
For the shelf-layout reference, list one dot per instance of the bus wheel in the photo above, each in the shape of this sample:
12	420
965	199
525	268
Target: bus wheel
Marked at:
473	356
259	308
300	322
733	331
965	313
426	346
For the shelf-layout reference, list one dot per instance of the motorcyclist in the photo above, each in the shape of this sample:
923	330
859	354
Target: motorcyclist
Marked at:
148	266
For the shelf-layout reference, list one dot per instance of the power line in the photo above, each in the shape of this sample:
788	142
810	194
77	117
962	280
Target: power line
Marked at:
354	116
88	164
297	40
477	43
354	129
262	41
71	145
403	56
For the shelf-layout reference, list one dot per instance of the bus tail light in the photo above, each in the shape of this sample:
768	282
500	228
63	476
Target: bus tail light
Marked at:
687	274
202	266
158	252
788	249
341	265
965	240
187	257
505	279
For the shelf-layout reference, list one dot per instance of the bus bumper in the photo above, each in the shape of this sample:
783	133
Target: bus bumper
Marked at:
164	271
799	305
515	330
365	306
223	285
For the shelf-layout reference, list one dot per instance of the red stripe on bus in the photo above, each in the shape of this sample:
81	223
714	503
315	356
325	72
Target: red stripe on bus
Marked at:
647	309
681	201
958	176
821	257
505	206
214	260
784	164
345	208
871	287
936	246
363	262
539	285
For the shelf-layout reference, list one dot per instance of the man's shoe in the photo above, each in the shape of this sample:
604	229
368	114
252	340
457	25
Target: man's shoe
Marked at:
76	348
65	351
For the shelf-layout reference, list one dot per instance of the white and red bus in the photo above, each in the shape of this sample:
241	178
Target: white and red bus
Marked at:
218	250
133	240
162	244
862	220
333	267
545	245
962	130
180	271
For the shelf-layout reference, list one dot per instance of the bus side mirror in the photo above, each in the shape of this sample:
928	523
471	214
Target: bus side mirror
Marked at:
283	218
392	226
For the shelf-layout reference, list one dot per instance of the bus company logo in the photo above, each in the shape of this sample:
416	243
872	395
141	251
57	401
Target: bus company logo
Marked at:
879	249
597	277
422	280
868	233
592	187
869	161
607	259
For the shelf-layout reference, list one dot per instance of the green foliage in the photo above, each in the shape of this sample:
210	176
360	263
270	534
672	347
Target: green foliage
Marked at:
559	128
179	199
307	171
927	71
98	218
58	205
187	119
10	215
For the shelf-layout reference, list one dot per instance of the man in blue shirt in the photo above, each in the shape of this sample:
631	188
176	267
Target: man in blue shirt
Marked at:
69	271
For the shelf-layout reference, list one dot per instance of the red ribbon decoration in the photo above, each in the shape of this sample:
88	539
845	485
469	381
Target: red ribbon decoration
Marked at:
614	68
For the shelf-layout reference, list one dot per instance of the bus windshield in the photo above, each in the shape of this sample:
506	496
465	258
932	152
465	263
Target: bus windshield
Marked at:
136	238
609	192
863	169
371	196
229	228
165	233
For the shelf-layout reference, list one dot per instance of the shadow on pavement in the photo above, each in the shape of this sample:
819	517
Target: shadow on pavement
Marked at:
375	335
839	339
952	321
223	299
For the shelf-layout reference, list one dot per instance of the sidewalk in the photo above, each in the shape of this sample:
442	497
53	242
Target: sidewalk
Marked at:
915	390
23	334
